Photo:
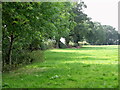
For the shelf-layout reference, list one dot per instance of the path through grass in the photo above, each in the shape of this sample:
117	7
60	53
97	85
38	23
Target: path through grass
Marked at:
87	67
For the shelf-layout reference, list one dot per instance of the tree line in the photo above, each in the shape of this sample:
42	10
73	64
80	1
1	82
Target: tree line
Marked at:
40	25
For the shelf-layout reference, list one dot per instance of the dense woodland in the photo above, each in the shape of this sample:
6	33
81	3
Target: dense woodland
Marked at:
40	25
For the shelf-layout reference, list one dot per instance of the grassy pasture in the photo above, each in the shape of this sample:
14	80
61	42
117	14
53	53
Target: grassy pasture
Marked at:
87	67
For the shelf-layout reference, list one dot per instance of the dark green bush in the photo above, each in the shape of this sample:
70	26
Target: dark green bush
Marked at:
76	44
19	57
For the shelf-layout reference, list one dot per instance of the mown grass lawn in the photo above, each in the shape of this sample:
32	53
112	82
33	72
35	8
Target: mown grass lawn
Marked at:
87	67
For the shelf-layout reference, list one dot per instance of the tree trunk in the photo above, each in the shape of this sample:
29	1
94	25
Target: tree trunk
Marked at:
9	61
67	40
57	43
76	42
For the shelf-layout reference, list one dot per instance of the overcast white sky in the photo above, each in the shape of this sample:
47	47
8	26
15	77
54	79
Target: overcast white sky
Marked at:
103	11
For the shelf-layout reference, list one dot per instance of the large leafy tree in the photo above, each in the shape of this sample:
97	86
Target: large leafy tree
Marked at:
83	23
111	35
102	35
27	25
15	27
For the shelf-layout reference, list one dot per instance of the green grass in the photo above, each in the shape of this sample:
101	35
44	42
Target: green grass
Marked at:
0	66
87	67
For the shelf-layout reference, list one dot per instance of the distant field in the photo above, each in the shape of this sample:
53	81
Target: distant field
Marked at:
87	67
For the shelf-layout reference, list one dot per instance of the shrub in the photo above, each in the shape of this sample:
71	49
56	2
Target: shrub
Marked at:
37	56
19	58
76	44
47	44
71	43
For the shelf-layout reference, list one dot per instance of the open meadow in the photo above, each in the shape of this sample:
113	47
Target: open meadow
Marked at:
86	67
